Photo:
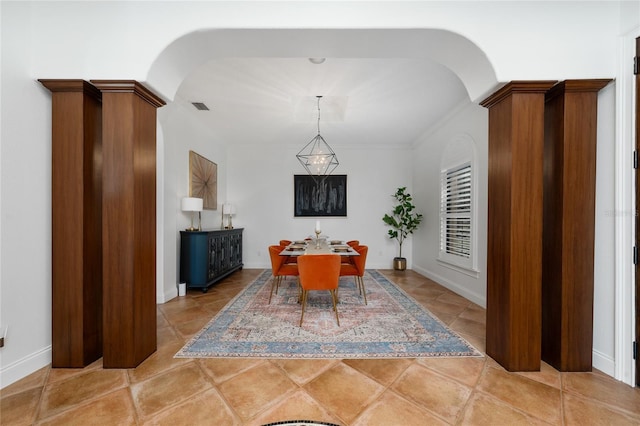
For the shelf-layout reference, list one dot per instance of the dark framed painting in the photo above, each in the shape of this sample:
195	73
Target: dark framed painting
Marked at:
326	197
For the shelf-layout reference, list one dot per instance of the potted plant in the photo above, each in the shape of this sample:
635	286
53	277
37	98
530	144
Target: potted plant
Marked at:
403	221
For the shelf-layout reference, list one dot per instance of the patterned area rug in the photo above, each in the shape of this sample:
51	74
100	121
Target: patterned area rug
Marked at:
392	325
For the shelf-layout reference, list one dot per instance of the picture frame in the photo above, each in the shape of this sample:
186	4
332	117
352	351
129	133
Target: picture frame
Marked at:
326	197
203	180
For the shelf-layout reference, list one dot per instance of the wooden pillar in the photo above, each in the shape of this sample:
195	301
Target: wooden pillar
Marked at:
129	221
569	223
514	253
76	216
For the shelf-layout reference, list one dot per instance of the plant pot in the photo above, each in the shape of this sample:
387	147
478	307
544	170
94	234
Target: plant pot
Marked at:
399	263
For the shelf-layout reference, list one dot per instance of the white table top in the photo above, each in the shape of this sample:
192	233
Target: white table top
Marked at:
299	248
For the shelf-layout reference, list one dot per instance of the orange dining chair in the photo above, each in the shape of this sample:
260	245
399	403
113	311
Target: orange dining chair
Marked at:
356	269
319	272
279	268
288	259
353	244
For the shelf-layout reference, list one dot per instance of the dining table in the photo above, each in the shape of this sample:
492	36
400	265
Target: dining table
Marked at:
318	246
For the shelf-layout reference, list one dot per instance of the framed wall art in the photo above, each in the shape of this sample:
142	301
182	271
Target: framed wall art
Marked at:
203	180
327	197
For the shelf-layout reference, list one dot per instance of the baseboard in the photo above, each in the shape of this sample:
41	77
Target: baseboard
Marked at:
456	288
23	367
167	295
604	363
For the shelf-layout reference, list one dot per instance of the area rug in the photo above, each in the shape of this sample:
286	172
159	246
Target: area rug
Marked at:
391	325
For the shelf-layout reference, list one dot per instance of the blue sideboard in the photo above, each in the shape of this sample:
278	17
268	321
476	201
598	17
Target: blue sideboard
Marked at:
208	256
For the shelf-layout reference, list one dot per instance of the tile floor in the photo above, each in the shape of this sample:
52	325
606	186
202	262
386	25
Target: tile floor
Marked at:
466	391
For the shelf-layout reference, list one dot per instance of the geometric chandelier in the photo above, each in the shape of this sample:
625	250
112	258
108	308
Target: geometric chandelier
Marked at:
317	157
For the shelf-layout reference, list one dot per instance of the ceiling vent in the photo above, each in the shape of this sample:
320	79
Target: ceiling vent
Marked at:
200	106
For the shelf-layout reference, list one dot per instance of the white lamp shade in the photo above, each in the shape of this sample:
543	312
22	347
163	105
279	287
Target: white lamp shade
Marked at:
191	204
229	209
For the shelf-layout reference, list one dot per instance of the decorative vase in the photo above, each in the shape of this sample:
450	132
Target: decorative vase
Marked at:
399	263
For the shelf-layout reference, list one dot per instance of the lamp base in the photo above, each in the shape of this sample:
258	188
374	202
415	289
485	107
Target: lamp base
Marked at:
191	229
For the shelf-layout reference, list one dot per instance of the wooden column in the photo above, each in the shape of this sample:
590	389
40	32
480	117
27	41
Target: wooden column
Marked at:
514	253
569	224
129	221
76	215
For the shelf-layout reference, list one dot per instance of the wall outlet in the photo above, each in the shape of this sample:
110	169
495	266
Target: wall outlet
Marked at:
3	334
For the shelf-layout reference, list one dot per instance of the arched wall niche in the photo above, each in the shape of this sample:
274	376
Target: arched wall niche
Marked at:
459	54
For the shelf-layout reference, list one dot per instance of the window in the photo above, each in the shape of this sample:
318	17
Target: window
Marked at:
456	216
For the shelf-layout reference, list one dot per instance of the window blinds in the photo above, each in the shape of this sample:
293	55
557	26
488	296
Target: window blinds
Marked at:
456	212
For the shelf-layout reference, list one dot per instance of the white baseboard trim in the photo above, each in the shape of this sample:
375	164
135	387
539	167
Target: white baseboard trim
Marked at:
604	363
456	288
167	296
23	367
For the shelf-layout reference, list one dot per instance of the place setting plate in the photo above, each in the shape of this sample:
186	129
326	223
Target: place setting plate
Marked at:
341	249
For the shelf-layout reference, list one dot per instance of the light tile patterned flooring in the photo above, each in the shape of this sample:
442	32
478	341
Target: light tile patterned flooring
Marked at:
460	391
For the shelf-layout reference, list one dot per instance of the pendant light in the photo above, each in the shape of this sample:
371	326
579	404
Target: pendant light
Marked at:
317	157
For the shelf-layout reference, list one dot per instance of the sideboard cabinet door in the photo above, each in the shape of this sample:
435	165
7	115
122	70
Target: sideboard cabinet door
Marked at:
208	256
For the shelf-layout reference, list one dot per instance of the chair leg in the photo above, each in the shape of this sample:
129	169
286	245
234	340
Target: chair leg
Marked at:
334	297
274	283
364	291
304	303
355	278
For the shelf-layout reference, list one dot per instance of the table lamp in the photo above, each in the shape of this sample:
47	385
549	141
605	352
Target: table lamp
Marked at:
191	204
229	210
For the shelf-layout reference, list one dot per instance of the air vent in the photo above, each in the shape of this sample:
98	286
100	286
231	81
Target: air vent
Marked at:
200	106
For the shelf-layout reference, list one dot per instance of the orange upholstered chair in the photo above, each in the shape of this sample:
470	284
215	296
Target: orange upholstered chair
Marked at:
357	269
353	244
279	268
319	272
288	259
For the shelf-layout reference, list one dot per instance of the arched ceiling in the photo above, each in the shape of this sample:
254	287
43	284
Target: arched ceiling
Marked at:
378	86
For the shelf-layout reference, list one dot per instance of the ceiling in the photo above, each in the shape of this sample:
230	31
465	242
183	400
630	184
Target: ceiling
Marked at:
364	101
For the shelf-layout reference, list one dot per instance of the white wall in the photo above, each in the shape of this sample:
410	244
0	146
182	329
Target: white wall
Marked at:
604	249
181	134
121	40
25	266
260	184
471	122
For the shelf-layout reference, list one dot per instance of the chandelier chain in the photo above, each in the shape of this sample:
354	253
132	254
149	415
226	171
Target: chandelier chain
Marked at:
318	113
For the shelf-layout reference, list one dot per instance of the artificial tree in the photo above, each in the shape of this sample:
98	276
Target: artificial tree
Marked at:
403	221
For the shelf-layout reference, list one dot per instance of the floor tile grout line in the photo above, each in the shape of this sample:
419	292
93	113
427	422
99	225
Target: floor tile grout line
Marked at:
76	406
598	402
215	386
494	397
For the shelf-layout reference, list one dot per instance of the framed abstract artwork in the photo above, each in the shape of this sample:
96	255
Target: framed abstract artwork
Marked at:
203	180
327	197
